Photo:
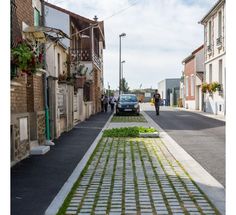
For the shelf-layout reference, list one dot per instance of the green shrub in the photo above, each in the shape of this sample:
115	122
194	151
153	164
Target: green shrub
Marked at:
127	131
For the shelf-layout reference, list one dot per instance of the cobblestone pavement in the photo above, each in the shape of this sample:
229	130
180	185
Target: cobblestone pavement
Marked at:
136	176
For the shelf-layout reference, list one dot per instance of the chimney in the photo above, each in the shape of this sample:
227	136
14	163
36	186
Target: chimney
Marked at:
95	18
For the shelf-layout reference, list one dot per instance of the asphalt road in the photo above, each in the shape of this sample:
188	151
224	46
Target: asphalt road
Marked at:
202	137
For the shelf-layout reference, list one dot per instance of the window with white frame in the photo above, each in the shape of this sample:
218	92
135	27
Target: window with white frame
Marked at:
209	33
219	24
192	85
210	73
58	63
186	86
36	17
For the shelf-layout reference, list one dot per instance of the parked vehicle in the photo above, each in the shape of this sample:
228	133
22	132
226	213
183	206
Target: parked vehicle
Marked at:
127	103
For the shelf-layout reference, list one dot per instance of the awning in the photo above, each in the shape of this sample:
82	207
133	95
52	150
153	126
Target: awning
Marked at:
41	33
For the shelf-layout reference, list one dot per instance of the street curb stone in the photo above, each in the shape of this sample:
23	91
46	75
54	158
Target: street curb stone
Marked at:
62	194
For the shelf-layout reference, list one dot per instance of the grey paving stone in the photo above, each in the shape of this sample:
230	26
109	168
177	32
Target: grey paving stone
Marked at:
86	210
69	212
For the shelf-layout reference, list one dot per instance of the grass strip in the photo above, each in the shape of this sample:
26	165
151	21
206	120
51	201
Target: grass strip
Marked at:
127	131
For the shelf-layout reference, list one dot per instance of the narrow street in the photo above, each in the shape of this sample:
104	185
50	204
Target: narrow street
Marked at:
202	137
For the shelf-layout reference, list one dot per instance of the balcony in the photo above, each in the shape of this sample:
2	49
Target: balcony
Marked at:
78	55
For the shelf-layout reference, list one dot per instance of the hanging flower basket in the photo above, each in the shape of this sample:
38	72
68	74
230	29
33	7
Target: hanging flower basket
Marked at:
24	58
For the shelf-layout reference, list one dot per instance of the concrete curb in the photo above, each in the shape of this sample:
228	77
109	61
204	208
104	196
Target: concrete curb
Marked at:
62	194
207	183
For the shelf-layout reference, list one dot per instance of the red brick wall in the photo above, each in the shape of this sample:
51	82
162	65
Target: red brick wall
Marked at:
23	12
30	94
18	96
38	93
189	71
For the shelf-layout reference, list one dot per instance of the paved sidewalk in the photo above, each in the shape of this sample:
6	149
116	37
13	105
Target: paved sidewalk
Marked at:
36	180
136	176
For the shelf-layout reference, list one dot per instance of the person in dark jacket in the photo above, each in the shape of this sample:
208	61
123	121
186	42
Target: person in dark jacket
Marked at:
157	100
112	103
105	103
102	106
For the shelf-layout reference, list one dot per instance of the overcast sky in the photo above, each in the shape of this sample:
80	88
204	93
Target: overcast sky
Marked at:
160	34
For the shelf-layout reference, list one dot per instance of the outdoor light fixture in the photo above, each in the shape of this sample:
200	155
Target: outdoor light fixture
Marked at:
121	35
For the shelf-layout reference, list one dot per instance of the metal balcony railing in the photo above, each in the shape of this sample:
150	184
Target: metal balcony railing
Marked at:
97	61
77	55
80	55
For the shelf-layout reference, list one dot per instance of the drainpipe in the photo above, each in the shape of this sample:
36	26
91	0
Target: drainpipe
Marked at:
48	142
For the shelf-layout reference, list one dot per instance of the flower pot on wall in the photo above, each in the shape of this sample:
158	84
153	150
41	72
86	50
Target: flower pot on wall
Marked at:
80	81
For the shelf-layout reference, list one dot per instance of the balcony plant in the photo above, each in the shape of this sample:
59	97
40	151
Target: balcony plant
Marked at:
24	58
215	86
205	87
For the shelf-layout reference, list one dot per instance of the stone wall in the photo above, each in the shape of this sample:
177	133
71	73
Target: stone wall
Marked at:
19	149
41	127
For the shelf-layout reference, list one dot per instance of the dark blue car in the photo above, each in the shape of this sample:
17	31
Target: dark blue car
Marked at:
127	103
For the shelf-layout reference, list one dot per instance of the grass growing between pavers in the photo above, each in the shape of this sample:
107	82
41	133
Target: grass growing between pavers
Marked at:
62	210
155	175
127	131
128	118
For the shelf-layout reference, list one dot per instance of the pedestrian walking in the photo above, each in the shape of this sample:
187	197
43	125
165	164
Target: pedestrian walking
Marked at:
112	103
105	103
157	100
102	105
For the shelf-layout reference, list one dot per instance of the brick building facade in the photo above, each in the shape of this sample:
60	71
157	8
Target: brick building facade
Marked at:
27	97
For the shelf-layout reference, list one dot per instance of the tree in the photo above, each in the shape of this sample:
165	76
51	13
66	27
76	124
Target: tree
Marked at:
124	86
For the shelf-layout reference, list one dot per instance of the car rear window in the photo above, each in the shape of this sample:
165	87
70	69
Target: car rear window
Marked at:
128	98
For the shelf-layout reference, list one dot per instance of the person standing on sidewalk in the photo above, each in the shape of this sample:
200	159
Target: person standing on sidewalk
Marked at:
105	103
112	103
102	106
157	99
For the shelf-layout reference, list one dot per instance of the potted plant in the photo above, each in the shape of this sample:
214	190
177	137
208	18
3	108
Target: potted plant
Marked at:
24	58
215	86
205	87
62	77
